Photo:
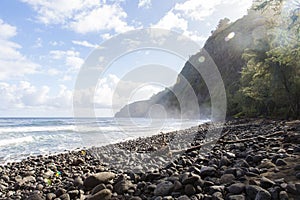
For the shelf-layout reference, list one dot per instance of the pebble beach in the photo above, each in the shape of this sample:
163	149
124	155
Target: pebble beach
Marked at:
255	159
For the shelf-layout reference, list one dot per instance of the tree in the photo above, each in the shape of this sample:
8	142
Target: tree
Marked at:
270	81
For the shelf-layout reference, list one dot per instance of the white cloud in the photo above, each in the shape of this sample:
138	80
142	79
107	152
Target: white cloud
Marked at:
84	43
56	43
116	93
12	62
59	11
81	16
106	36
108	17
53	72
144	4
197	9
70	57
25	95
172	21
7	31
38	43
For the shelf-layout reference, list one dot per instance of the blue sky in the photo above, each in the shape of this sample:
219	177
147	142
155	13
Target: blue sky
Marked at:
43	44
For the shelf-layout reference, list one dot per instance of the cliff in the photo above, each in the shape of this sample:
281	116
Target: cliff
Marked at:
225	46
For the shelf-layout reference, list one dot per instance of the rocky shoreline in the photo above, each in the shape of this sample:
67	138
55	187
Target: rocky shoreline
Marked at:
253	159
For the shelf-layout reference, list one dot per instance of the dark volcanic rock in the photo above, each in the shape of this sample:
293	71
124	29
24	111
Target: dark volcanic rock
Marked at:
35	197
252	191
164	188
104	194
96	179
236	188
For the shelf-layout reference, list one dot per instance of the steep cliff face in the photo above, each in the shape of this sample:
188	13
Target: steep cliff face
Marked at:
225	46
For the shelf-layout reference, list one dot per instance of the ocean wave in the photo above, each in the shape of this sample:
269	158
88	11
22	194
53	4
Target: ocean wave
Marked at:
7	142
66	128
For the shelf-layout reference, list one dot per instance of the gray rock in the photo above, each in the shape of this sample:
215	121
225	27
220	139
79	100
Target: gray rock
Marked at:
216	188
98	188
217	196
266	183
177	186
104	194
297	168
50	196
192	179
298	175
252	190
77	162
183	197
297	186
267	164
59	192
236	188
189	189
280	162
96	179
135	198
224	161
207	171
35	197
236	197
73	194
122	186
164	188
78	182
65	197
283	195
263	195
291	188
227	178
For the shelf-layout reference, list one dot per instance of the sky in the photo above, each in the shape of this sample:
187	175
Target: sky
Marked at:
44	43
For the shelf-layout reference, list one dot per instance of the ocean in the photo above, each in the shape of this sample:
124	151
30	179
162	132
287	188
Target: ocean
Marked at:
23	137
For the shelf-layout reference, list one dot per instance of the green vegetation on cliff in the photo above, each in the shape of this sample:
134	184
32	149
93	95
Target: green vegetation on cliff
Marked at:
270	81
